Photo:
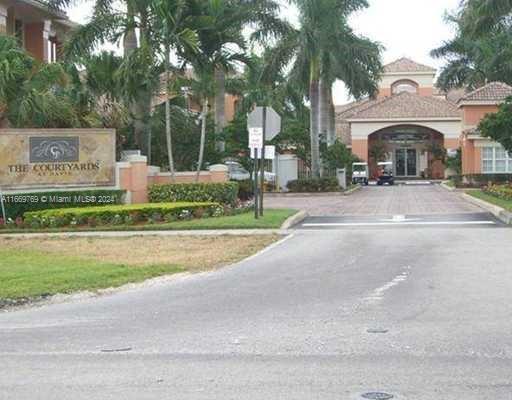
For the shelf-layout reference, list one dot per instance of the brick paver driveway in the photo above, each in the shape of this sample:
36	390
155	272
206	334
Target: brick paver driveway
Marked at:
386	200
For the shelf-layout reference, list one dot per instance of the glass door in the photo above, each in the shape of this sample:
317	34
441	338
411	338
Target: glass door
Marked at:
411	162
400	160
406	162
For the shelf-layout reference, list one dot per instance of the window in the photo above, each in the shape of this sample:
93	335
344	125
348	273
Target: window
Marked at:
495	160
404	86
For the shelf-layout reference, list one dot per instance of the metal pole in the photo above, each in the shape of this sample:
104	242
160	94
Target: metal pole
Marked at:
255	173
3	206
262	178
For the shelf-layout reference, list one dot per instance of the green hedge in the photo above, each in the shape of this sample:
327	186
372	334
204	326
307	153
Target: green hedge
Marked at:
121	214
223	193
18	204
309	185
501	191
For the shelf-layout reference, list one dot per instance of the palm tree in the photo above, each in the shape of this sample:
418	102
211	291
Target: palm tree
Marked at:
473	59
324	48
172	25
38	95
220	26
111	21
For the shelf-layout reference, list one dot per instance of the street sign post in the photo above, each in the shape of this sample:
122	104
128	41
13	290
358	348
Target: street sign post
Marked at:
2	205
263	124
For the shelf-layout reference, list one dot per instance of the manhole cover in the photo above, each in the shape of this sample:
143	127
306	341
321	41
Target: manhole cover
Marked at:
116	350
377	396
377	330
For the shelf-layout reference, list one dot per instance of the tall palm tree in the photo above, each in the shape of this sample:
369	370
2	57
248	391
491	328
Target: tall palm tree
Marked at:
322	49
112	21
172	26
474	59
221	24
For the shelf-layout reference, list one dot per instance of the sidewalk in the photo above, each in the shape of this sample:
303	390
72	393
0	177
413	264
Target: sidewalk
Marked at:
123	234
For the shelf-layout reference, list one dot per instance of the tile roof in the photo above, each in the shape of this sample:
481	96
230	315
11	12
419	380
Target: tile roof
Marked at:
494	91
404	105
407	65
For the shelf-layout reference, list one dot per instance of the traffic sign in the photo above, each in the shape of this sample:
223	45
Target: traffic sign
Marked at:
270	153
255	138
273	122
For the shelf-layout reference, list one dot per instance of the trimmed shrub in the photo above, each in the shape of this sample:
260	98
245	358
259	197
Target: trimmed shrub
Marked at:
501	191
120	214
245	190
311	185
16	205
223	193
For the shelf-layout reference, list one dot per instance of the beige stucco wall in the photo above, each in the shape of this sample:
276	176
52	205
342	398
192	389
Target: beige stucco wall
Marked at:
449	128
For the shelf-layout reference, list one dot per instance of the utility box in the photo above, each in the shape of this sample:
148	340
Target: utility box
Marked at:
341	174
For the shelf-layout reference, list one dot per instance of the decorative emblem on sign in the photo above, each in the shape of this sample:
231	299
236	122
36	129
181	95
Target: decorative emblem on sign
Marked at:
54	149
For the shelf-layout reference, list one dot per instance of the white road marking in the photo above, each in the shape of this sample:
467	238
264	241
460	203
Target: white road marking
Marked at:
341	224
378	294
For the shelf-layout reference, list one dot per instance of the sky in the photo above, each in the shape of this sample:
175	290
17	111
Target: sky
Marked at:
406	28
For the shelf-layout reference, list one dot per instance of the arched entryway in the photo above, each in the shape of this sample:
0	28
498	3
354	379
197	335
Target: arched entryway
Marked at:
416	151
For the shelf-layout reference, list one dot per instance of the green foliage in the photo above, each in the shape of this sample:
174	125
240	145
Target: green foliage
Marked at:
378	151
223	193
39	95
311	185
117	214
481	50
498	126
455	163
20	203
245	189
338	156
186	138
501	191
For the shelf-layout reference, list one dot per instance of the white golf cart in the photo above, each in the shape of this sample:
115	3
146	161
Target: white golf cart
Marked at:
360	173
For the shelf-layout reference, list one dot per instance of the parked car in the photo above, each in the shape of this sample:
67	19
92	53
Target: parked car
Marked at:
270	177
236	171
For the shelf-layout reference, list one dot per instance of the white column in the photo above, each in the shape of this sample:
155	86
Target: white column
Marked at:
47	32
3	19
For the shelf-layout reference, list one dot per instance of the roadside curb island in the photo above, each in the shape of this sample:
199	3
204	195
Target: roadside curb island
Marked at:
499	212
284	230
294	220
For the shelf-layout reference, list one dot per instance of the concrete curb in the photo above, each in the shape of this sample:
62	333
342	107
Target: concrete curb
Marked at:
499	212
305	194
294	220
449	188
127	234
352	190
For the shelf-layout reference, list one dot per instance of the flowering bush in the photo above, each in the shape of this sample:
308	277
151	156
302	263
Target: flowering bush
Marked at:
501	191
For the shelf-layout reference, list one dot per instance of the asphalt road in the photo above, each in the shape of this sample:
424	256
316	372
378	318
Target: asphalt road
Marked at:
414	312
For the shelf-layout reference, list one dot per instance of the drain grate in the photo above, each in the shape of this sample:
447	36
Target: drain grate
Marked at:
377	396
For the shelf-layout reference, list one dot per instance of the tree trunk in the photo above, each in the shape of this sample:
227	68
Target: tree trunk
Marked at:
168	112
203	137
220	112
137	106
323	127
331	132
314	94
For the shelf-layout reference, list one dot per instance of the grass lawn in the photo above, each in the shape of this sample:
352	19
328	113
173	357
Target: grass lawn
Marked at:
31	269
506	204
273	219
